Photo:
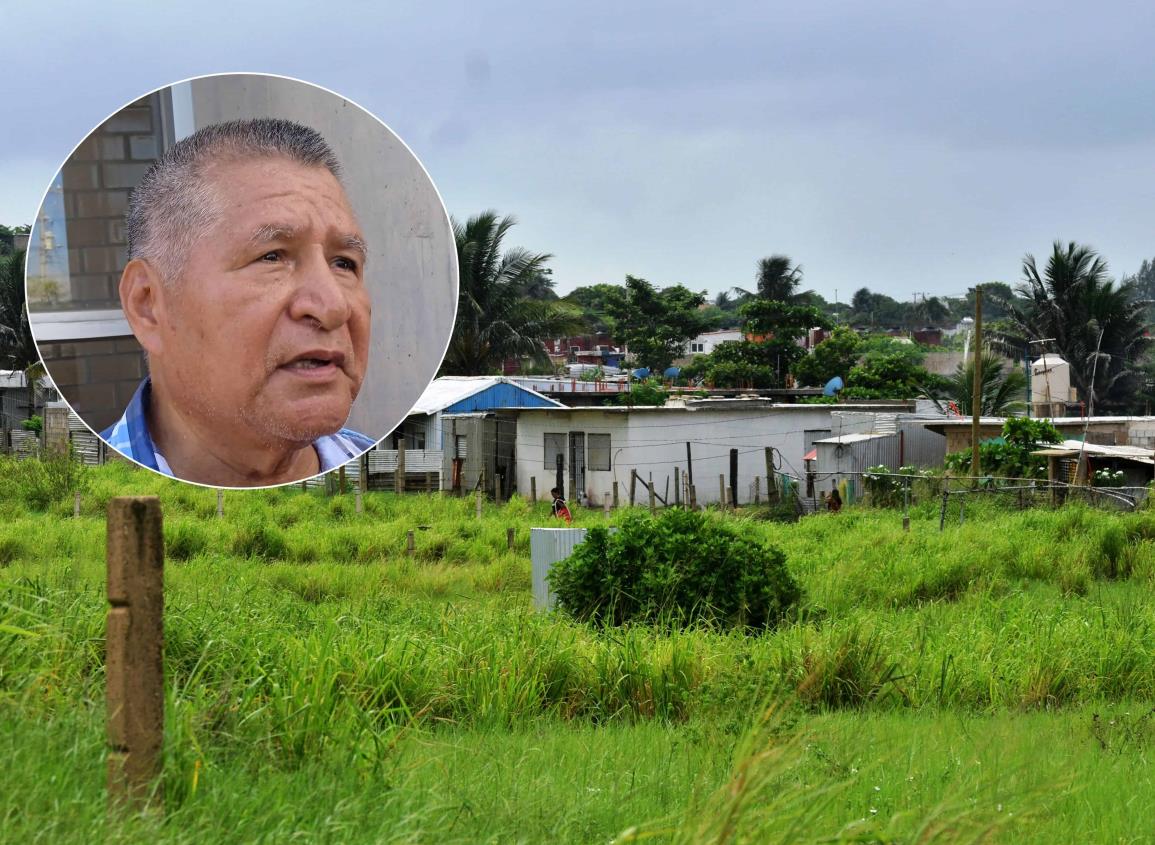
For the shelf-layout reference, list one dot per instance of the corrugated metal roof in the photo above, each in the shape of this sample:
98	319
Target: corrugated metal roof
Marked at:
854	438
448	391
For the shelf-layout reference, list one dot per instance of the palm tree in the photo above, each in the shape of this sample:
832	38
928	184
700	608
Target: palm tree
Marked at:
1096	325
777	280
1003	393
500	312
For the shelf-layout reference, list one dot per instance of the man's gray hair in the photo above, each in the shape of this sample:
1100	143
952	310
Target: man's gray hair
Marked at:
174	205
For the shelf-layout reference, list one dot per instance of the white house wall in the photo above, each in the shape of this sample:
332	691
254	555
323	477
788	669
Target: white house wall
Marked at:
653	441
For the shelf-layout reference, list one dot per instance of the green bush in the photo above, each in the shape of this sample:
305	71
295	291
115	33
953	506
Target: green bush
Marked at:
185	539
45	480
35	423
678	567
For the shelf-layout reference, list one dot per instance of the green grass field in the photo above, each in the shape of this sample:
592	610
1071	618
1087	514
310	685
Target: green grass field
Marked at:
993	682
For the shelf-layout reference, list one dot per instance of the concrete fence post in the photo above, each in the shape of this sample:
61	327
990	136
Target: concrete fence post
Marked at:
134	661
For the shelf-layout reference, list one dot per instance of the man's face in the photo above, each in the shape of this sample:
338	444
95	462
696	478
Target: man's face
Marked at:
266	333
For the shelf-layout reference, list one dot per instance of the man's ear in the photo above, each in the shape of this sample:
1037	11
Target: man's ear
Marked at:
142	296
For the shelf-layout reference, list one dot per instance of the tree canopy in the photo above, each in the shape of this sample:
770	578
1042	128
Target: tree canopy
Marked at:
502	309
1095	324
655	324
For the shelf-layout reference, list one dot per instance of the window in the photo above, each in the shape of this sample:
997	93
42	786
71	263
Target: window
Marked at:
554	446
697	347
598	447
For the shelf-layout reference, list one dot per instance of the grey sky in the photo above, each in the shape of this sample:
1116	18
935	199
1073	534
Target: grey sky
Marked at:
908	147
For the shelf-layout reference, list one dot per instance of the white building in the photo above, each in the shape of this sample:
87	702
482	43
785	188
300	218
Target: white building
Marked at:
600	446
707	342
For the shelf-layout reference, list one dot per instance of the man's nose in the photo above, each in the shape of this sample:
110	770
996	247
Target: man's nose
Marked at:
319	293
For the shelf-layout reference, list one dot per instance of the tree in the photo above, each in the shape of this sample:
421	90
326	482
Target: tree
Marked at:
834	356
498	316
1089	317
1003	390
890	369
655	324
17	348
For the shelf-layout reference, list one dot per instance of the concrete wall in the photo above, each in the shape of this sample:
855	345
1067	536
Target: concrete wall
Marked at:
653	441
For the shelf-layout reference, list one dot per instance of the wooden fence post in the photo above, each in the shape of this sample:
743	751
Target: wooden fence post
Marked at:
341	479
653	504
477	496
76	504
757	497
509	534
677	486
533	489
633	482
733	478
942	513
615	495
722	490
134	661
693	497
410	543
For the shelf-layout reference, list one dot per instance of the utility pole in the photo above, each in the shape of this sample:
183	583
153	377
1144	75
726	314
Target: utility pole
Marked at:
977	388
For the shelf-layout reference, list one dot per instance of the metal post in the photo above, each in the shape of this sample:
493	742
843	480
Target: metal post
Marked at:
942	513
633	484
134	662
977	386
733	478
399	473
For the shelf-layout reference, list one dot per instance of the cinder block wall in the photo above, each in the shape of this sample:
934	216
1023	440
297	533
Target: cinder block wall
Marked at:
97	376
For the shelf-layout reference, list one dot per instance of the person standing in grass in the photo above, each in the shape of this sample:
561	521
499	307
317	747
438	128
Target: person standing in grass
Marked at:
559	508
834	500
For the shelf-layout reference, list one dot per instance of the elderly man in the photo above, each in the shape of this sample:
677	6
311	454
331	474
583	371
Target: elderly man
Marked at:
245	285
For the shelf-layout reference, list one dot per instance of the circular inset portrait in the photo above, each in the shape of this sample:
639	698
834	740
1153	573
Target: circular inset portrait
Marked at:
242	280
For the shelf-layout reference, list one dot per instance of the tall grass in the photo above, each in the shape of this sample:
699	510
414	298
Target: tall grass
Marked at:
303	643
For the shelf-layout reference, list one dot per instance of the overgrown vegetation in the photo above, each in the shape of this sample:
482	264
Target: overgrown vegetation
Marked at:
679	567
325	686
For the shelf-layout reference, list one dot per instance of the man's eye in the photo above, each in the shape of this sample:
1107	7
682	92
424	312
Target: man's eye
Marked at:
346	264
271	256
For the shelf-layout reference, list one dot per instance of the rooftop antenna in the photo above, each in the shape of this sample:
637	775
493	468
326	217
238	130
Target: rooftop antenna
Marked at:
1046	372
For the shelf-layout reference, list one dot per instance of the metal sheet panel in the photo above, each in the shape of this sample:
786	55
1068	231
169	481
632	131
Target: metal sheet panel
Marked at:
546	547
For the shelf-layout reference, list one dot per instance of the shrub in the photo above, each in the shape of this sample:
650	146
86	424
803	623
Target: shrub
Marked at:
677	567
47	479
35	423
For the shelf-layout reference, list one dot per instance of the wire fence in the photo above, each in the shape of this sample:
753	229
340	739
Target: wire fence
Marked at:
952	495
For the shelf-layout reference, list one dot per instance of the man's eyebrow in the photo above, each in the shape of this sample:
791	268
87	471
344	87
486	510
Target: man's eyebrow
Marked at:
273	232
283	232
357	244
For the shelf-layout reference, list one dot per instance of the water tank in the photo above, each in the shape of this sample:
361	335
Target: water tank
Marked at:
1050	380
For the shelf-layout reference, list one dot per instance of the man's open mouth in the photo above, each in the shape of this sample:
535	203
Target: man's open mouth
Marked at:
314	359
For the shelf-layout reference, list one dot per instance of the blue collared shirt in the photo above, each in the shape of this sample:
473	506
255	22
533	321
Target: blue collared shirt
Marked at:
129	436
